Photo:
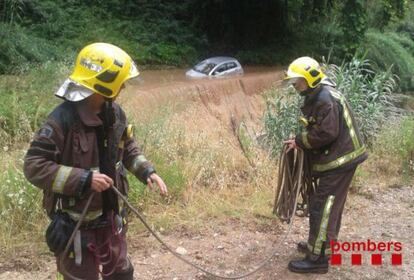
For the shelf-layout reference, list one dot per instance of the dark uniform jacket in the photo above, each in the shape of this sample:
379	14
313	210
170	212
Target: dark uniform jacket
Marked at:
65	151
331	136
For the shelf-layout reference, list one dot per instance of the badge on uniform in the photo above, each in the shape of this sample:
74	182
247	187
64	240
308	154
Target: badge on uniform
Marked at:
46	131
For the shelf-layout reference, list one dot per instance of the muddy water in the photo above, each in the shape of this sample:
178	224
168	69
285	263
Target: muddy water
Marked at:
218	98
150	79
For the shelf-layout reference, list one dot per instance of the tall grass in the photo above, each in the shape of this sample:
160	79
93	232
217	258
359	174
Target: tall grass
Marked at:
23	221
11	11
371	94
281	117
393	150
26	99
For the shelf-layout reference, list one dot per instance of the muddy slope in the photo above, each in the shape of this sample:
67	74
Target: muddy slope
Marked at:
210	100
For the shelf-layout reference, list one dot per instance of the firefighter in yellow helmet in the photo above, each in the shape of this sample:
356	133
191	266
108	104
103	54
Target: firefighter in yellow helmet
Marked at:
86	146
332	143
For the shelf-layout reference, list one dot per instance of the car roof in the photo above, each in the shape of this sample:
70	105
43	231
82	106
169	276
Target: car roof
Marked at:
219	59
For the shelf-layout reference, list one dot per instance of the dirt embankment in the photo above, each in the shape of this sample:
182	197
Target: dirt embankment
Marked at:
203	105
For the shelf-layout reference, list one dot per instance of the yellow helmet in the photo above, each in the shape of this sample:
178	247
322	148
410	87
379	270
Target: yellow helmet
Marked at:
100	68
308	68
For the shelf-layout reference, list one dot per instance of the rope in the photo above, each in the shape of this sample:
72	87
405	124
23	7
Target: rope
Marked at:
288	178
294	180
65	253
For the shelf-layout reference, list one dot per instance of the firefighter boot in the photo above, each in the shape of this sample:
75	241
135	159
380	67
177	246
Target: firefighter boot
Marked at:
310	264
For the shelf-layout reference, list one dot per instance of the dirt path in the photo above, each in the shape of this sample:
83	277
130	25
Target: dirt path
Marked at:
234	246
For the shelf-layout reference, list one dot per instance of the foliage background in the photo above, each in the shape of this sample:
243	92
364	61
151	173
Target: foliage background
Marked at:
180	32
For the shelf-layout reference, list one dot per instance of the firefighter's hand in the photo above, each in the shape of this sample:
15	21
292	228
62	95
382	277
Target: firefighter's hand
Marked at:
101	182
154	178
291	143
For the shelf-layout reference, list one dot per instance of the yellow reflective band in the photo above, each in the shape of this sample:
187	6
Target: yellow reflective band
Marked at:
305	140
121	144
61	178
323	228
339	161
90	216
304	121
347	117
59	276
138	161
130	131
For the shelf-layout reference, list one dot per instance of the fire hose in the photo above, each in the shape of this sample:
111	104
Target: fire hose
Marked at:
295	185
290	187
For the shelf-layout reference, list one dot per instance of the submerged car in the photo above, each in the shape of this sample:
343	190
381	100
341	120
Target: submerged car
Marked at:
216	67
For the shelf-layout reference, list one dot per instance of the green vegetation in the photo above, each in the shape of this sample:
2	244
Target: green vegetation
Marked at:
400	142
179	33
394	51
43	30
154	138
370	94
20	206
25	101
281	117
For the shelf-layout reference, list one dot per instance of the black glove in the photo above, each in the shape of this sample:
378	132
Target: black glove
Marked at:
59	231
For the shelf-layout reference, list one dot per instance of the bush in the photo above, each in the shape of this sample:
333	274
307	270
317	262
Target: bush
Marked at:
57	30
281	117
386	49
19	48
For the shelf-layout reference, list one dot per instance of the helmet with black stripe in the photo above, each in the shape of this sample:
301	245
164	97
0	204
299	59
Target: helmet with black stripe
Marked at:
100	68
307	68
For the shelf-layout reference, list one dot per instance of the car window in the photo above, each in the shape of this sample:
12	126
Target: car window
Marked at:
231	65
221	68
204	67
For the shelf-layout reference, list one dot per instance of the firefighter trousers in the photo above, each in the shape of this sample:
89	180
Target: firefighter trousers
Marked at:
325	210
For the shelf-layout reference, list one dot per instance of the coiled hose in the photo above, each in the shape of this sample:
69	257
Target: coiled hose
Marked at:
294	176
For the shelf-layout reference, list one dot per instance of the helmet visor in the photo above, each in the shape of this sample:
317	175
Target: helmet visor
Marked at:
72	91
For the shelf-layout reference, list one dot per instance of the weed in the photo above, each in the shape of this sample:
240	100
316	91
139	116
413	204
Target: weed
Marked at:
20	208
281	117
371	94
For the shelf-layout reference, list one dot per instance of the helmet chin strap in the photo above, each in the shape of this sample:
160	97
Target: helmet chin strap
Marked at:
306	92
108	113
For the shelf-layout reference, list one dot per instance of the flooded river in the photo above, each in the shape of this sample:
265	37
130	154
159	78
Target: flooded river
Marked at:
150	79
